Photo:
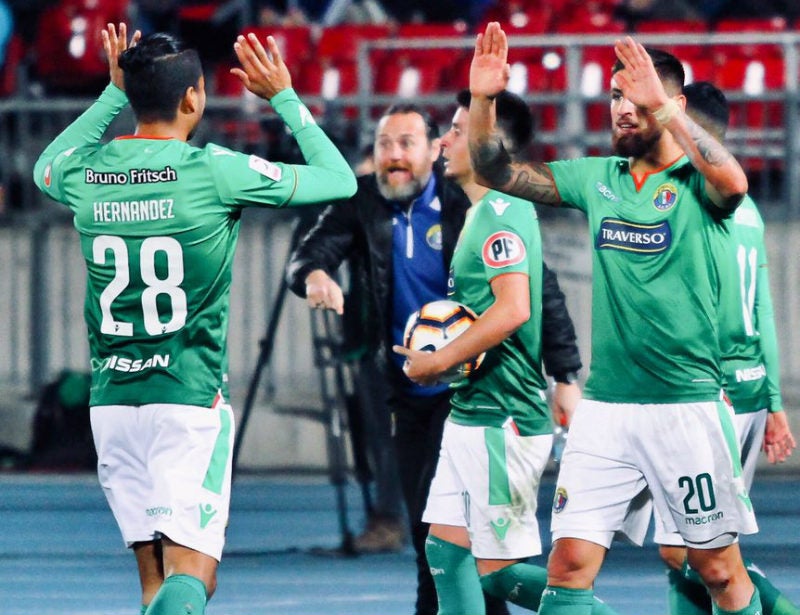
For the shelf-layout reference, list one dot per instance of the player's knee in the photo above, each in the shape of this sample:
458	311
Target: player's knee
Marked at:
211	585
673	557
570	565
716	572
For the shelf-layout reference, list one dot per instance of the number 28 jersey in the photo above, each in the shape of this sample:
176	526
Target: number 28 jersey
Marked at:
158	224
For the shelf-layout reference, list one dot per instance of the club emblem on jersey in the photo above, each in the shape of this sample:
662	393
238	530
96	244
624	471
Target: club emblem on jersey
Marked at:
560	500
433	236
665	197
615	234
503	249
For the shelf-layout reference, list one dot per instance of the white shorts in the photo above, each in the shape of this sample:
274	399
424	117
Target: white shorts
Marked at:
165	470
621	459
750	435
487	480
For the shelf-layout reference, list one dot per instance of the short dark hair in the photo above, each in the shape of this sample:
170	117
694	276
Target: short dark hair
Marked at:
431	127
157	72
514	118
707	105
668	67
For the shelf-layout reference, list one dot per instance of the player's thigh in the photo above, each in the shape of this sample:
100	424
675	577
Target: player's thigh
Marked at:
689	454
190	465
600	490
122	440
498	472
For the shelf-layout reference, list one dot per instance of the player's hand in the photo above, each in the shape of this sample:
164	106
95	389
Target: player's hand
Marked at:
323	293
264	74
114	43
489	71
421	366
778	439
639	80
565	399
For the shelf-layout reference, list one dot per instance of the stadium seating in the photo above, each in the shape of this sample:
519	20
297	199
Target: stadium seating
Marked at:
69	55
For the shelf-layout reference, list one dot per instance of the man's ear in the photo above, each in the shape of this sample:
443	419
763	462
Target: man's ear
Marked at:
189	100
436	149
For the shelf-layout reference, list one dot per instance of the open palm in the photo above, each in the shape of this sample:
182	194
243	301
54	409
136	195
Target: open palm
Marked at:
489	71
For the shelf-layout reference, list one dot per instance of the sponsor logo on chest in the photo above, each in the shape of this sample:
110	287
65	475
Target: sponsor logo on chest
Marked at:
616	234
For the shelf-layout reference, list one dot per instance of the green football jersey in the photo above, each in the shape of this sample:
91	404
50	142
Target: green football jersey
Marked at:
747	326
158	221
655	333
501	235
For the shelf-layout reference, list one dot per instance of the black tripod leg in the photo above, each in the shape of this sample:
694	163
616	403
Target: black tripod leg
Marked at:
266	344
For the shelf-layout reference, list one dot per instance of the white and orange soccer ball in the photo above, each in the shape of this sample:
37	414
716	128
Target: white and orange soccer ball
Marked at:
435	325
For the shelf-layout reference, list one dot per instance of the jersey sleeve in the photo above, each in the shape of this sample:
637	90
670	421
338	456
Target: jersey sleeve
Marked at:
567	175
326	176
87	129
508	229
768	338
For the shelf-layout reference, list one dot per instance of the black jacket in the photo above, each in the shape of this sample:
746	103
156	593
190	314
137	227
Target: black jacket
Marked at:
360	230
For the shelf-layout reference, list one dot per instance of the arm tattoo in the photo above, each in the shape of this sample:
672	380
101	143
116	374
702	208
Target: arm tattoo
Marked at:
491	162
494	166
534	182
710	150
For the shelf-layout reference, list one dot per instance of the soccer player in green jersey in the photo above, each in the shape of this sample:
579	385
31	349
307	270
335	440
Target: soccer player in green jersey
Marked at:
498	436
750	365
158	221
652	428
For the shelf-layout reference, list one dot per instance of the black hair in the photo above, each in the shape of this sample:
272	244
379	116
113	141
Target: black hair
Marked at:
706	100
668	67
513	117
157	72
431	127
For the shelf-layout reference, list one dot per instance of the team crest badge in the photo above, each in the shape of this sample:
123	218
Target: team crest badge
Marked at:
560	500
665	197
434	236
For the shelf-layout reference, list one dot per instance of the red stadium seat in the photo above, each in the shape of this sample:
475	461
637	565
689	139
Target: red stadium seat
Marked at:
15	51
69	50
340	43
671	26
769	24
295	43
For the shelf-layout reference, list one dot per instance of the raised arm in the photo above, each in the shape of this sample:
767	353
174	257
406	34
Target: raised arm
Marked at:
92	123
493	166
327	176
726	182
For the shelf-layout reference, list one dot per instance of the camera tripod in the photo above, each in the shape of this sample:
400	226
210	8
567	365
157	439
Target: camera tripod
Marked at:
340	411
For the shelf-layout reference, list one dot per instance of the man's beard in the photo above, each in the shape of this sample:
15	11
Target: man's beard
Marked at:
635	146
403	192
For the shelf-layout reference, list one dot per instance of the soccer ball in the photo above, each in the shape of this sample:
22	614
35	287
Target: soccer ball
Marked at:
435	325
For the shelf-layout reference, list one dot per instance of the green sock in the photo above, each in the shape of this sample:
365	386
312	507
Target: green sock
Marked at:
773	602
754	608
687	596
456	578
523	584
519	583
564	601
180	594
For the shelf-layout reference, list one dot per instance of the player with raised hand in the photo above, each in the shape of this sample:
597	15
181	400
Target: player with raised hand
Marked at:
498	436
158	221
750	365
652	427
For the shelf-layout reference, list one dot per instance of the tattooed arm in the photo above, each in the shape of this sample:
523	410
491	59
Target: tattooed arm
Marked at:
726	182
492	164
